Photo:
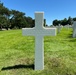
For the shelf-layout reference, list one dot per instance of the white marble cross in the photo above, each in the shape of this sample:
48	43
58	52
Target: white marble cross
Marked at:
74	29
39	32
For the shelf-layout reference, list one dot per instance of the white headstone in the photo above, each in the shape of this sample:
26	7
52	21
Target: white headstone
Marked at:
59	28
74	29
39	32
67	26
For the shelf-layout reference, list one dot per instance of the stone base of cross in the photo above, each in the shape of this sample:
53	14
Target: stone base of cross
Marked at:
39	32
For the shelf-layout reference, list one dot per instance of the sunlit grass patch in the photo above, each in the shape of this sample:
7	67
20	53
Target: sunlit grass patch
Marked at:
17	54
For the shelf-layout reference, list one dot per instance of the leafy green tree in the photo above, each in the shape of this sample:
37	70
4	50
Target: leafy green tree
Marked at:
74	19
69	21
56	22
17	19
4	14
30	22
3	22
64	22
44	22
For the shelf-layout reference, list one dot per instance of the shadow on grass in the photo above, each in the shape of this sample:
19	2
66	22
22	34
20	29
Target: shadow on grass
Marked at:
70	36
73	40
18	67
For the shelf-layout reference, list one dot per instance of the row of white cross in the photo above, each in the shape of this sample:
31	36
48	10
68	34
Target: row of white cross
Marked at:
39	32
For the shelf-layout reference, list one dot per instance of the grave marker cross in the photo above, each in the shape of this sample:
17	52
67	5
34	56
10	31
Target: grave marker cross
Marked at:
74	29
39	32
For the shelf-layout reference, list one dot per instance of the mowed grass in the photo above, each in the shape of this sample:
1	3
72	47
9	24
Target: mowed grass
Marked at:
17	54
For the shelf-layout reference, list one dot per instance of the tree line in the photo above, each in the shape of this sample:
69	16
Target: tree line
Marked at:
64	22
14	19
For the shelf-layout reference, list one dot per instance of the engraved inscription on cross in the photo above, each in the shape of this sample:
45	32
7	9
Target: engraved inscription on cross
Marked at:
39	32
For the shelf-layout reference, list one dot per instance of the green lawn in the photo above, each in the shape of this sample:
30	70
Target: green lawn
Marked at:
17	54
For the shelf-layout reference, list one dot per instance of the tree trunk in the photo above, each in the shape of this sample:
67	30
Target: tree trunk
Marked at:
1	27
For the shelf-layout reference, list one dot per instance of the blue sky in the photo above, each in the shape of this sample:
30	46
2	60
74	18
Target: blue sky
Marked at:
53	9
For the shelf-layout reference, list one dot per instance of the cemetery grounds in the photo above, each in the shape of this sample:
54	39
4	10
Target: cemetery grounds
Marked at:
17	54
